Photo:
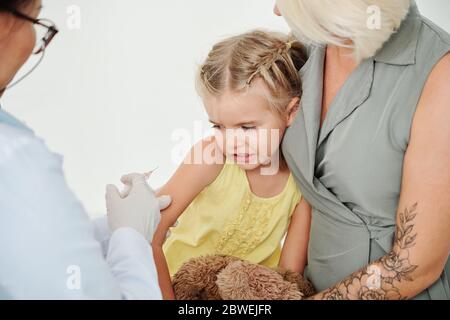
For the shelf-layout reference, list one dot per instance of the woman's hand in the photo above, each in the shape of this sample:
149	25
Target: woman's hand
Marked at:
137	207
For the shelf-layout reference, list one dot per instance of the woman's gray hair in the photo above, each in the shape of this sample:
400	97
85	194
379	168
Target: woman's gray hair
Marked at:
362	25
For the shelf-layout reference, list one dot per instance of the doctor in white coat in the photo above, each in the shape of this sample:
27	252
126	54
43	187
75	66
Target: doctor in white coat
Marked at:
49	249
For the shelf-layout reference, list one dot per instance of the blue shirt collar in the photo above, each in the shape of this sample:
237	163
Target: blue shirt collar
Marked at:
9	120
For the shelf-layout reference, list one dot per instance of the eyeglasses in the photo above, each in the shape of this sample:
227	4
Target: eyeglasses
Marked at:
50	30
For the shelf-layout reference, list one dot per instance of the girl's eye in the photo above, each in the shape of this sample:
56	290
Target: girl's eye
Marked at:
216	126
248	128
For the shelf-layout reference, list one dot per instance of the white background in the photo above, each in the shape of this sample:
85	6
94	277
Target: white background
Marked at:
111	95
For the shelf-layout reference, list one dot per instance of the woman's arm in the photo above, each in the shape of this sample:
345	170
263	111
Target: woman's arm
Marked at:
193	175
47	245
422	241
295	248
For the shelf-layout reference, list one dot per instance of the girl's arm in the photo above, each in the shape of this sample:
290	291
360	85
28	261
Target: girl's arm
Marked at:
295	248
193	175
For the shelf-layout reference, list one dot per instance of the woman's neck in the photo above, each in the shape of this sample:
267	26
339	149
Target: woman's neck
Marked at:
342	56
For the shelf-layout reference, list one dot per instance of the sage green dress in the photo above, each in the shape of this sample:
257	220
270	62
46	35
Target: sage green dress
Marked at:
350	170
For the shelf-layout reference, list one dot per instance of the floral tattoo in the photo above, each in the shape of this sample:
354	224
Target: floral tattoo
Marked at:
380	280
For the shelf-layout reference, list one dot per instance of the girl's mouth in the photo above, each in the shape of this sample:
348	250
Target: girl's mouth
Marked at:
242	158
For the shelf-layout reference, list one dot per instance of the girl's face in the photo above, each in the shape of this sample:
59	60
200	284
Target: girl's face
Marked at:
247	131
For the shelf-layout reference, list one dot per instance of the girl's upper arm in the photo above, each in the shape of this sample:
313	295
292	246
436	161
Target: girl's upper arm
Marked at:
295	248
191	177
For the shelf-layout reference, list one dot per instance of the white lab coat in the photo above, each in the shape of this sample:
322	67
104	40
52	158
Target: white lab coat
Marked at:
49	248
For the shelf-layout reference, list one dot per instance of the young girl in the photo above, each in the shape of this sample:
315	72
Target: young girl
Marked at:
242	199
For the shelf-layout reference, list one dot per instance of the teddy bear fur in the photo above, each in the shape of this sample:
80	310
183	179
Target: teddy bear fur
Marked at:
221	277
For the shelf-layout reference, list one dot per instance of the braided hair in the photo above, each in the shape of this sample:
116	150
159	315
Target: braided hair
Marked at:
236	62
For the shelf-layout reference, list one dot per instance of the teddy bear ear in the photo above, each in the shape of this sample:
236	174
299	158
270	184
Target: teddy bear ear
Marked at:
196	278
185	282
185	290
242	280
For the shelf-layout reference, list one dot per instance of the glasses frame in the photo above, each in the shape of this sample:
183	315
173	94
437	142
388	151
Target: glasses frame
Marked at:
52	30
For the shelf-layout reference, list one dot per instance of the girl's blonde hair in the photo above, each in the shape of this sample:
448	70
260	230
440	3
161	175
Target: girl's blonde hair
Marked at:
234	63
337	21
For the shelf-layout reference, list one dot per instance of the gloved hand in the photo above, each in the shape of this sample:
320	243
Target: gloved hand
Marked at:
136	207
127	180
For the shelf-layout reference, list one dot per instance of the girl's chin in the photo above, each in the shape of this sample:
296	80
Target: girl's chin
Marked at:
250	162
262	159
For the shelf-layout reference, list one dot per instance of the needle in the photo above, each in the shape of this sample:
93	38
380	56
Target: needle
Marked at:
148	174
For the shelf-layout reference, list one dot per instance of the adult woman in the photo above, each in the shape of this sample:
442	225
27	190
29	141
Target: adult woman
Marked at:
47	247
370	148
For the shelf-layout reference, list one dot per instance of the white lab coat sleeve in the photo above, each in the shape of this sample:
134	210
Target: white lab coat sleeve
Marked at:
47	245
131	261
129	256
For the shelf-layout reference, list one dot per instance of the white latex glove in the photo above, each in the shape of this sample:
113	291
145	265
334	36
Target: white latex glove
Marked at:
136	207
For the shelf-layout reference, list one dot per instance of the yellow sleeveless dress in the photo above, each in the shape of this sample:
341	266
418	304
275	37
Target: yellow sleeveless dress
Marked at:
227	218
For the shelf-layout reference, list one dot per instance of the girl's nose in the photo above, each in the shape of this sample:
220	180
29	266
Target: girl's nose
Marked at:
235	139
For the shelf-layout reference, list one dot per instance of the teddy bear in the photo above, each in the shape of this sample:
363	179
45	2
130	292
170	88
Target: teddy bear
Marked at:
222	277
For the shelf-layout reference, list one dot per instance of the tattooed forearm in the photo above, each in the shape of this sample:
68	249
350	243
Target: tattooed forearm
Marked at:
381	280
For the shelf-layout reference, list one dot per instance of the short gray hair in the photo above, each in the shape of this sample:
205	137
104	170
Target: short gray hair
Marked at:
339	22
